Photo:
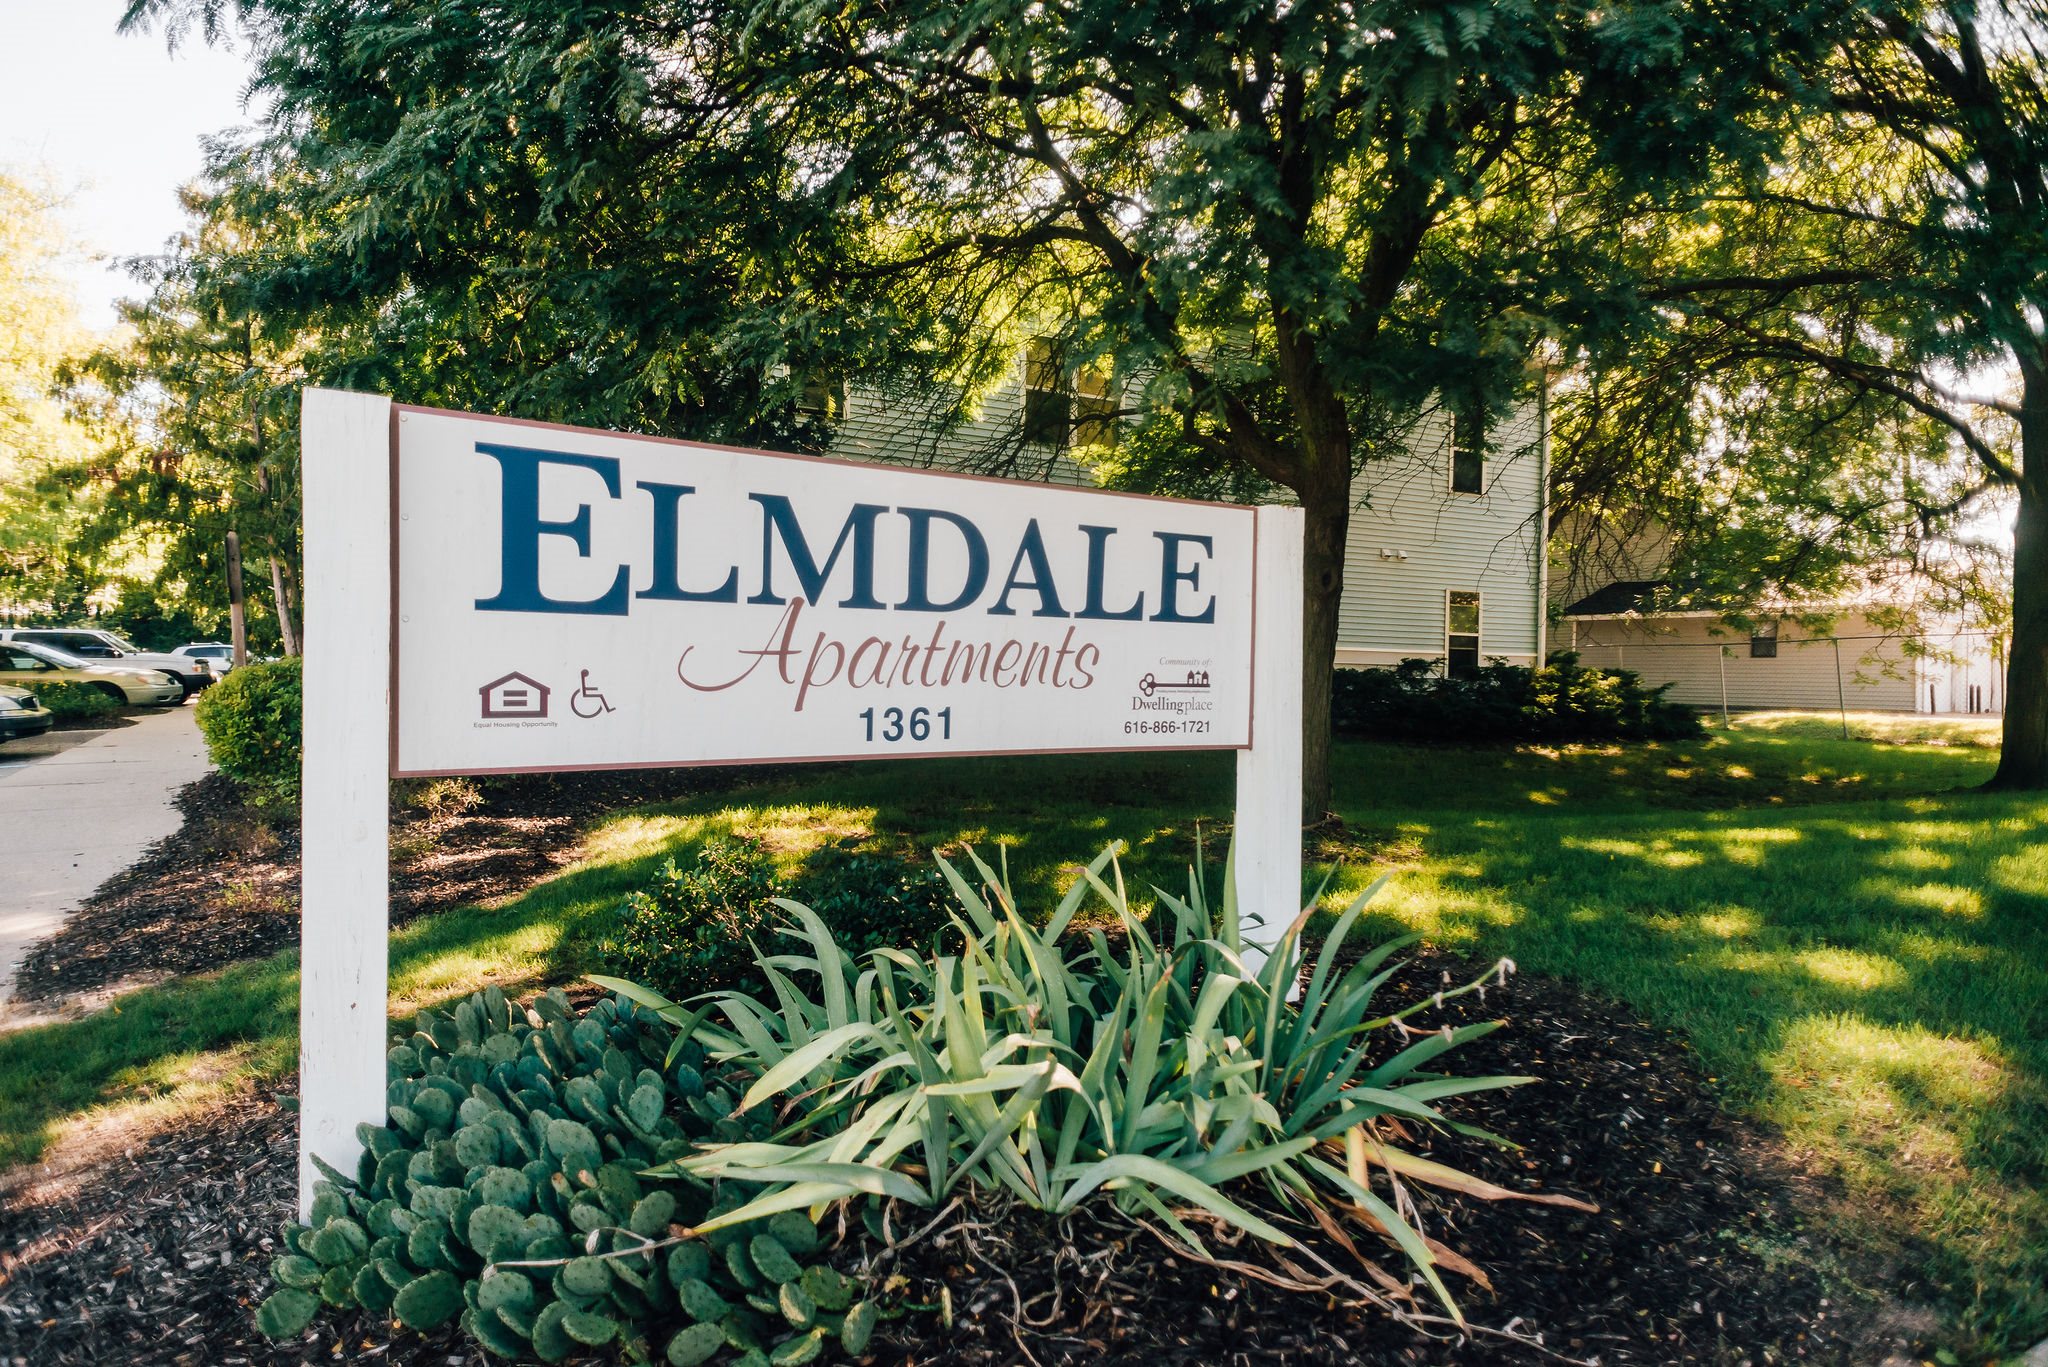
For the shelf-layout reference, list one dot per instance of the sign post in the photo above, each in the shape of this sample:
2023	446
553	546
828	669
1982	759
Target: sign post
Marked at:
1268	826
492	596
344	809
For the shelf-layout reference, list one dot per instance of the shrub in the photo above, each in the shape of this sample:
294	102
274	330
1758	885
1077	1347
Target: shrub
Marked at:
251	723
1161	1069
1504	703
509	1189
69	700
693	928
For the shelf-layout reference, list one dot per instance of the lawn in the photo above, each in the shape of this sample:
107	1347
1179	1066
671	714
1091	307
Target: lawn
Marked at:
1855	943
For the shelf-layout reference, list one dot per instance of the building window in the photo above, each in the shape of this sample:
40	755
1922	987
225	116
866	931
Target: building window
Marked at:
1763	641
1461	634
1468	450
823	399
1048	397
1094	408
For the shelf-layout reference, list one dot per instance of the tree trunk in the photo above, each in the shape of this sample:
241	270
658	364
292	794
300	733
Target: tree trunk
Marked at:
284	610
1326	515
238	621
2023	762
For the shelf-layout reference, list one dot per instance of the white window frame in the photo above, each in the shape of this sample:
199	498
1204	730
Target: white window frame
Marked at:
1477	634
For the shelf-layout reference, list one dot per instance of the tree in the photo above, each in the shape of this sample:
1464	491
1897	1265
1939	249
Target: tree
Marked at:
1289	229
1897	255
42	568
194	403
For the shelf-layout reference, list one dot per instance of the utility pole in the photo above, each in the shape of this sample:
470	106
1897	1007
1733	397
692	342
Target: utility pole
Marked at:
235	614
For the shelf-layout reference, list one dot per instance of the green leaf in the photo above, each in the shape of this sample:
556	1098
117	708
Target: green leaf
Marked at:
551	1342
858	1328
428	1302
1125	1167
694	1345
590	1277
286	1313
293	1270
592	1331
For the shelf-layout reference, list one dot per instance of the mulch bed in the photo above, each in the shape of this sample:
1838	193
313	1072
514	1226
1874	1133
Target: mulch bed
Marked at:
226	886
101	723
1670	1270
160	1255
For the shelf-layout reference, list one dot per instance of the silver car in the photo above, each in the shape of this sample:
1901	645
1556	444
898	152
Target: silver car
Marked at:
21	714
94	646
32	666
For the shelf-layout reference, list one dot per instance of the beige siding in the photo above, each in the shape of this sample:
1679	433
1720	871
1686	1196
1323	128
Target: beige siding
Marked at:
1413	540
1877	673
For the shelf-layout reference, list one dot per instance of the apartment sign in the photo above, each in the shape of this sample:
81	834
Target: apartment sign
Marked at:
571	599
491	596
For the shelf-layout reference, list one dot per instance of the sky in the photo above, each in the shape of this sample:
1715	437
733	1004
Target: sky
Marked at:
112	125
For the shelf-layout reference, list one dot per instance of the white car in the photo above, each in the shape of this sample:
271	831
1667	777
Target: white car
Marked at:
104	647
33	666
220	657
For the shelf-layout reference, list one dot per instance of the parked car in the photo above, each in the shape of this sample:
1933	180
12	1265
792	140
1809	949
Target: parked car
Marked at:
92	644
220	657
21	714
29	666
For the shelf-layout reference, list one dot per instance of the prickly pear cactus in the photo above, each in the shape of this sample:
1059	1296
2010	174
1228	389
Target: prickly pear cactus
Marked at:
505	1192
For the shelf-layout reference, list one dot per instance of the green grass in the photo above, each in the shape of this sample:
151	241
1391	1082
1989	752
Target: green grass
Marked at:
1856	943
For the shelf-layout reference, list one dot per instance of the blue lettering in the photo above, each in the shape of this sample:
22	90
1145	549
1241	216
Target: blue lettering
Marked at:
521	527
1172	576
1098	538
778	520
920	599
665	583
1032	547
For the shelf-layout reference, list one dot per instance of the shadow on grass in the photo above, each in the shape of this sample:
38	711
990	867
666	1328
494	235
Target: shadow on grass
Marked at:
1872	980
1870	977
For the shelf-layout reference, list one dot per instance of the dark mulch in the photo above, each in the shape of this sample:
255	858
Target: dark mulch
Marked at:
159	1256
1692	1257
226	886
100	723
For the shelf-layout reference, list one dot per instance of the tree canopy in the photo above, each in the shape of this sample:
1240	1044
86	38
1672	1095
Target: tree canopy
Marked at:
1287	231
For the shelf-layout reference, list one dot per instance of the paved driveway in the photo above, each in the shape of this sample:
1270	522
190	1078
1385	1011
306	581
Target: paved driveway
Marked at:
79	814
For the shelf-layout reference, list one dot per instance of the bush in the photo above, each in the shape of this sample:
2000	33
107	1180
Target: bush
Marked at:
251	721
509	1189
693	928
1506	704
72	701
1160	1069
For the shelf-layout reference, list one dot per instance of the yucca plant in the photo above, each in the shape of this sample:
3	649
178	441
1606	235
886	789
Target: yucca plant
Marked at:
1161	1067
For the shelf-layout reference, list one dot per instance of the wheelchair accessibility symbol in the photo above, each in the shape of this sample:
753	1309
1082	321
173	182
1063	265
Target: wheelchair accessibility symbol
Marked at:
588	702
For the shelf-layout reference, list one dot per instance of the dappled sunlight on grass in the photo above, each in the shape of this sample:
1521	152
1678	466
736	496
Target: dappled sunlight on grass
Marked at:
1894	1098
1915	859
1746	889
1892	728
1851	968
1945	898
1888	1024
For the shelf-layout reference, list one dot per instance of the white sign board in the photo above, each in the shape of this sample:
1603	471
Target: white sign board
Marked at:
491	596
570	599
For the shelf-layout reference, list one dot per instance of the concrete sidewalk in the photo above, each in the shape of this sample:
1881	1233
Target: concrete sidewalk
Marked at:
72	820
